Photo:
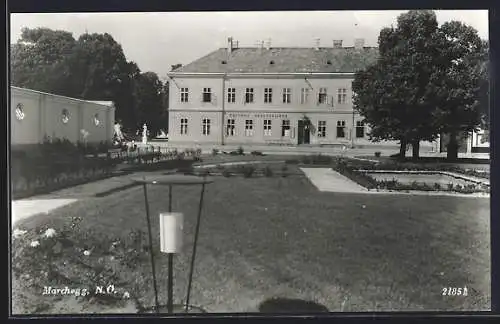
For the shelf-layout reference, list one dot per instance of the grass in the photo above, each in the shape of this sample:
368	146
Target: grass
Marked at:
279	237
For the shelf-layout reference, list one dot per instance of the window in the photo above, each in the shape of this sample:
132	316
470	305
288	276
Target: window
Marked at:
184	126
230	127
184	94
267	127
249	95
322	128
231	95
19	111
342	96
207	95
268	95
287	95
285	128
341	128
206	126
360	129
322	95
304	95
248	127
65	116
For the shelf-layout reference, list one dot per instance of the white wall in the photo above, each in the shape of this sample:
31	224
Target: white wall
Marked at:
43	117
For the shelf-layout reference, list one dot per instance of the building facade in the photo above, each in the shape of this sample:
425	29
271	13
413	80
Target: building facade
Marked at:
36	115
265	95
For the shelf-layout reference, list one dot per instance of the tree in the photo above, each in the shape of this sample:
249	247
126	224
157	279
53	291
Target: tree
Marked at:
394	95
101	72
39	60
463	96
149	94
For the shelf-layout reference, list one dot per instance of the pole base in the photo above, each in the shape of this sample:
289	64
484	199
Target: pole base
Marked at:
178	309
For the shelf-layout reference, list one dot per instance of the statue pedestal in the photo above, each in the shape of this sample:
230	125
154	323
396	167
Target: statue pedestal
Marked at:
144	140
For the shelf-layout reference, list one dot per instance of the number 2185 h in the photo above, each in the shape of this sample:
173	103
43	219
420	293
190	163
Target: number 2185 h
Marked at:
454	291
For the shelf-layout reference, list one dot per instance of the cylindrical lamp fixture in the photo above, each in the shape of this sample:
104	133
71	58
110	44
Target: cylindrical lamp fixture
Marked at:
171	230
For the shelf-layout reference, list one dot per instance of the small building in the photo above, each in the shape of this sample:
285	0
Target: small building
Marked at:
269	95
36	115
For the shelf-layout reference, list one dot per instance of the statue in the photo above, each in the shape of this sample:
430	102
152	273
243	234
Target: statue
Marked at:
144	134
118	132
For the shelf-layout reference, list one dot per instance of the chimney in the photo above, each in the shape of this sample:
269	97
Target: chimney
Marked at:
337	43
359	43
317	42
229	45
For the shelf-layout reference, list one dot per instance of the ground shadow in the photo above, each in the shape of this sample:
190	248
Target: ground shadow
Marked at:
286	305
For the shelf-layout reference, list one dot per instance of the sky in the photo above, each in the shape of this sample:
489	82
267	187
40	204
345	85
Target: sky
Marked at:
157	40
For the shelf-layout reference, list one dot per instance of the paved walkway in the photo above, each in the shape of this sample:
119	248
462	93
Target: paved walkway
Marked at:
325	179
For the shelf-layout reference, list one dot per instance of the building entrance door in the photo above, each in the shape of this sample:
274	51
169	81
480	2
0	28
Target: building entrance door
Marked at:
304	133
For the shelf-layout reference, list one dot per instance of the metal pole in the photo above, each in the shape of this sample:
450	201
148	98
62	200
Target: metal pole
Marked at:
151	247
194	248
170	304
170	282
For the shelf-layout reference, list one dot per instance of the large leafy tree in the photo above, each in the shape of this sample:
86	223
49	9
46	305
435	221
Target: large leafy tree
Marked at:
428	80
39	60
394	95
462	98
149	93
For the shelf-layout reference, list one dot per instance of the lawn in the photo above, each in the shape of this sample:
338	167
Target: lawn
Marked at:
279	237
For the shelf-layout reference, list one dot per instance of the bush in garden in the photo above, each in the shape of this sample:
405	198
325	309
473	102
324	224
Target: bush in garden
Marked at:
215	152
226	173
257	153
320	159
292	161
248	171
377	154
240	151
437	186
284	171
268	172
450	186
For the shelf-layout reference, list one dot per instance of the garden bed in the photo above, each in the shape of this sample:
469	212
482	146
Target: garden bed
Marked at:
363	172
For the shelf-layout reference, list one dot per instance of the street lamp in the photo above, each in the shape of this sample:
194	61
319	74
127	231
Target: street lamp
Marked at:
171	230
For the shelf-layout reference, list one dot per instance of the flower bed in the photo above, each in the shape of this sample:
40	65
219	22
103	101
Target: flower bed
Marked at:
106	271
359	172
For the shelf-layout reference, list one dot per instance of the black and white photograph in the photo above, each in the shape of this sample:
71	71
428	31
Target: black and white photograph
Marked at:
272	162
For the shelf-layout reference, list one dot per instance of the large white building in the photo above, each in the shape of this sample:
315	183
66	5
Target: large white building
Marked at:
266	95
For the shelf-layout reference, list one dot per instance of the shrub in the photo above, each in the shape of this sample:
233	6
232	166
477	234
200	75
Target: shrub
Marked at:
215	152
377	154
306	160
437	186
248	171
292	161
257	153
321	159
226	173
268	172
234	153
198	152
240	151
450	186
284	171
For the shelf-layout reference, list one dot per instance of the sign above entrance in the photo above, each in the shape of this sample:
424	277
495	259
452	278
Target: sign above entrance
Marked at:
257	115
